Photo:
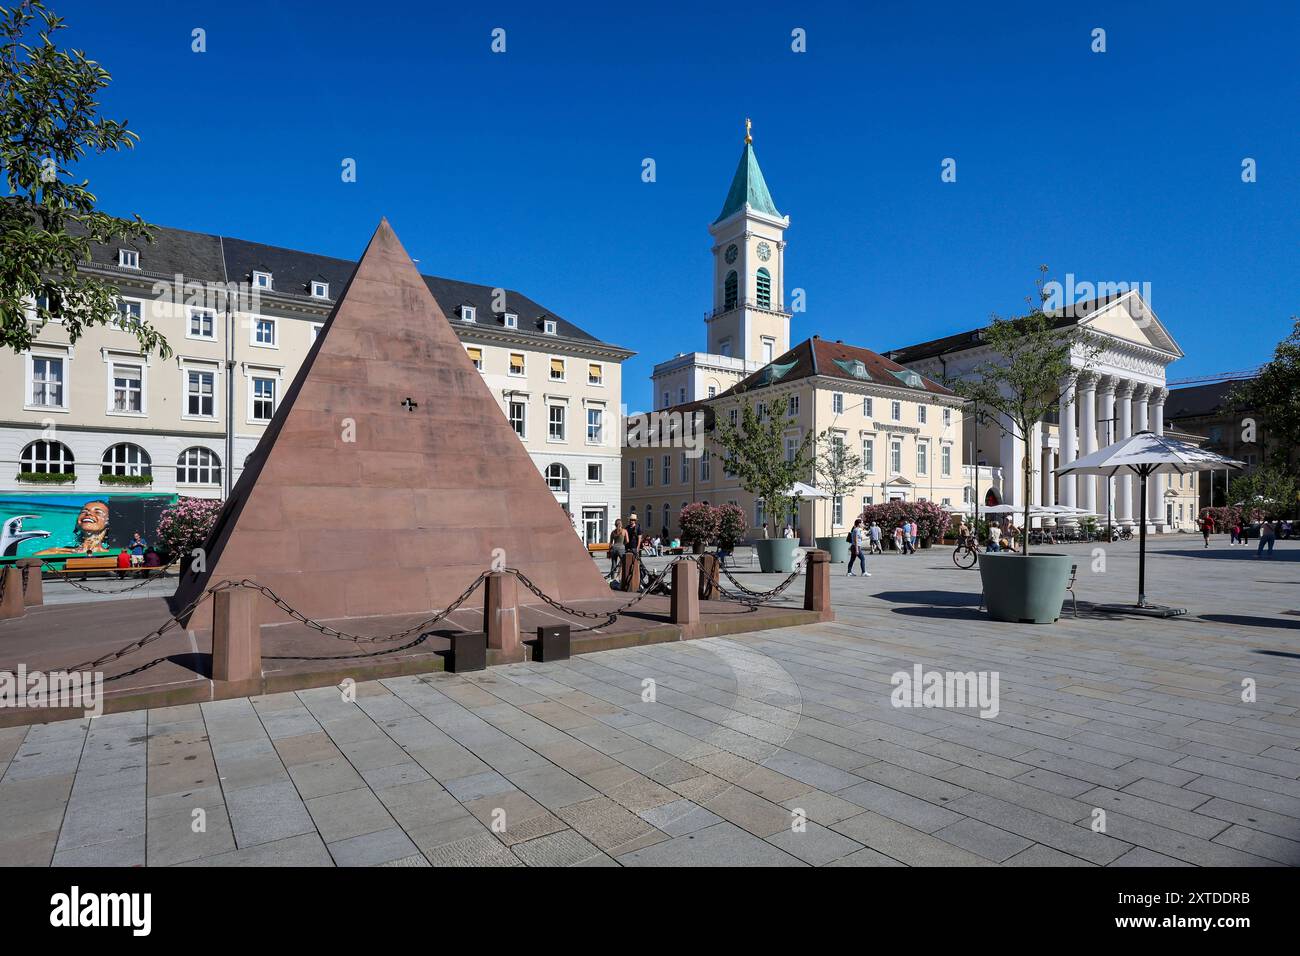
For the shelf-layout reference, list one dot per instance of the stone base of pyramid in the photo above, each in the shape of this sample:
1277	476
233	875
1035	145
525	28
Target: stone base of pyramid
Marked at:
177	669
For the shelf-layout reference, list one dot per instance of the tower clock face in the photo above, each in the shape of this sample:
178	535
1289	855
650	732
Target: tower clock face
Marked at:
764	251
731	253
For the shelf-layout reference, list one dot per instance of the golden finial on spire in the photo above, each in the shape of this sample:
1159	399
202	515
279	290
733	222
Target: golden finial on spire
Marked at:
749	135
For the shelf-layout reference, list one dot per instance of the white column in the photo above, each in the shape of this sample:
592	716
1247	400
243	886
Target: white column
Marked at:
1048	484
1124	428
1106	436
1087	437
1011	456
1140	395
1156	483
1068	446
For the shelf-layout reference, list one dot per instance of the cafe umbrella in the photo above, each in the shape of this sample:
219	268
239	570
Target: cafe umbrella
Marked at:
1145	454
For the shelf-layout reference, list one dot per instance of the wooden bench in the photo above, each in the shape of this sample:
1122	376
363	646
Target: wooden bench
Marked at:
599	547
108	563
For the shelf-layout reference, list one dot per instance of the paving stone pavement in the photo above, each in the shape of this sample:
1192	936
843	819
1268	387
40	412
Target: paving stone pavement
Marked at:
777	748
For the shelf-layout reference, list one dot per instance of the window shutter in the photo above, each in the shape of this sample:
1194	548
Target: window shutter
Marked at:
476	355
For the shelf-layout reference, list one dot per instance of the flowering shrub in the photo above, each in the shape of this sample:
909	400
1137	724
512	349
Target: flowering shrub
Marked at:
932	521
186	525
1224	517
731	526
699	522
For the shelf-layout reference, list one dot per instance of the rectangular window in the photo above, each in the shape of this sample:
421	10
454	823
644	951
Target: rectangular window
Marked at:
681	396
896	411
320	290
595	426
128	388
516	363
922	458
47	381
594	473
895	456
866	407
264	332
686	469
549	327
129	314
760	513
262	280
668	470
595	374
921	413
476	356
869	454
263	399
837	510
713	391
649	472
128	259
510	320
631	474
705	468
945	461
769	348
519	418
794	406
203	324
947	417
791	445
555	426
557	370
200	394
837	402
315	331
468	313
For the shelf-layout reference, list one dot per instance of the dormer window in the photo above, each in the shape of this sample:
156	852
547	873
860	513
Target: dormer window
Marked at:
128	259
320	290
261	280
468	313
511	320
548	326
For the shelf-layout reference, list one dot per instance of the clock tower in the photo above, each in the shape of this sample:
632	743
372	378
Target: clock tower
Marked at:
749	320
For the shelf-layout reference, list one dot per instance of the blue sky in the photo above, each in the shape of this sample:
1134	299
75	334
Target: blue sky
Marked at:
523	169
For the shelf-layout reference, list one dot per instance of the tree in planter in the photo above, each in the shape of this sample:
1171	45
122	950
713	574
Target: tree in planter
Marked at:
839	470
699	524
48	222
1032	360
755	453
731	526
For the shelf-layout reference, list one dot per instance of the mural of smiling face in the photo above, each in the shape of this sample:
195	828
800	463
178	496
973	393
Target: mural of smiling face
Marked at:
93	518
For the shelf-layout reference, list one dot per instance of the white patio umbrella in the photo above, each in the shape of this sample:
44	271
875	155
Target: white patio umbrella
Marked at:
1145	454
801	490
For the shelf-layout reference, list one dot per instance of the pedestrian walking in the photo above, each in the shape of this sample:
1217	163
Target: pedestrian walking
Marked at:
857	544
898	538
1235	534
875	539
908	546
916	534
617	546
1267	534
1207	528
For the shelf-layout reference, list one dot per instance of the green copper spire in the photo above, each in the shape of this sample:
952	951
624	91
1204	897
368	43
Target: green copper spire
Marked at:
748	185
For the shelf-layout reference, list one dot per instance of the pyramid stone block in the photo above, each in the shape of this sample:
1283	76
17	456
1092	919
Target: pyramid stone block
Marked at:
405	515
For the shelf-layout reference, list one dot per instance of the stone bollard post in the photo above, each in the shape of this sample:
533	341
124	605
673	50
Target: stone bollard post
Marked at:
630	573
34	593
11	601
710	577
817	585
686	594
501	616
236	636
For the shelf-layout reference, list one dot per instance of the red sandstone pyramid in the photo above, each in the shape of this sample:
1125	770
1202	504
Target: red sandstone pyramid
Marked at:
404	517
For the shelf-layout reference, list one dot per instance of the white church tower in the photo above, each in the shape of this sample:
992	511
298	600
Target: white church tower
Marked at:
748	325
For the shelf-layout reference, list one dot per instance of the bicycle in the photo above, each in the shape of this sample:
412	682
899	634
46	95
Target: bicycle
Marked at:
966	554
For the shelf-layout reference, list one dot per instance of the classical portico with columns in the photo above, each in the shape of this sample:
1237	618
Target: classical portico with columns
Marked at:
1112	394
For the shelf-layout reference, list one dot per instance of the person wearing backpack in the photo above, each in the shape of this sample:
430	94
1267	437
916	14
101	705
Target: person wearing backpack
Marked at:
857	538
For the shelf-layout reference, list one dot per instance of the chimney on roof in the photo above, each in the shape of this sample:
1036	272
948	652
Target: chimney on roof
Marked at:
839	341
816	336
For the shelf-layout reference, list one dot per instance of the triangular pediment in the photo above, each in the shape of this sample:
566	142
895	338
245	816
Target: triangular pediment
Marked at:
388	478
1130	317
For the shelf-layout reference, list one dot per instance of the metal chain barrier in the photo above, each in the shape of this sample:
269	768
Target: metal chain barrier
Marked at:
150	574
605	618
747	596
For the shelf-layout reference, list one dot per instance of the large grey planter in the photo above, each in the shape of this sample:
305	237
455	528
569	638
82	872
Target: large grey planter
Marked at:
1024	589
776	555
838	548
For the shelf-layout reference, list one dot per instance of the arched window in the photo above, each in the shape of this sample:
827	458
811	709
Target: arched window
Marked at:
730	290
557	477
764	289
126	459
48	458
198	466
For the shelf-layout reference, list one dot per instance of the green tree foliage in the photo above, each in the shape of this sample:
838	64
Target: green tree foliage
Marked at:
48	221
755	453
1265	493
1275	392
1032	359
